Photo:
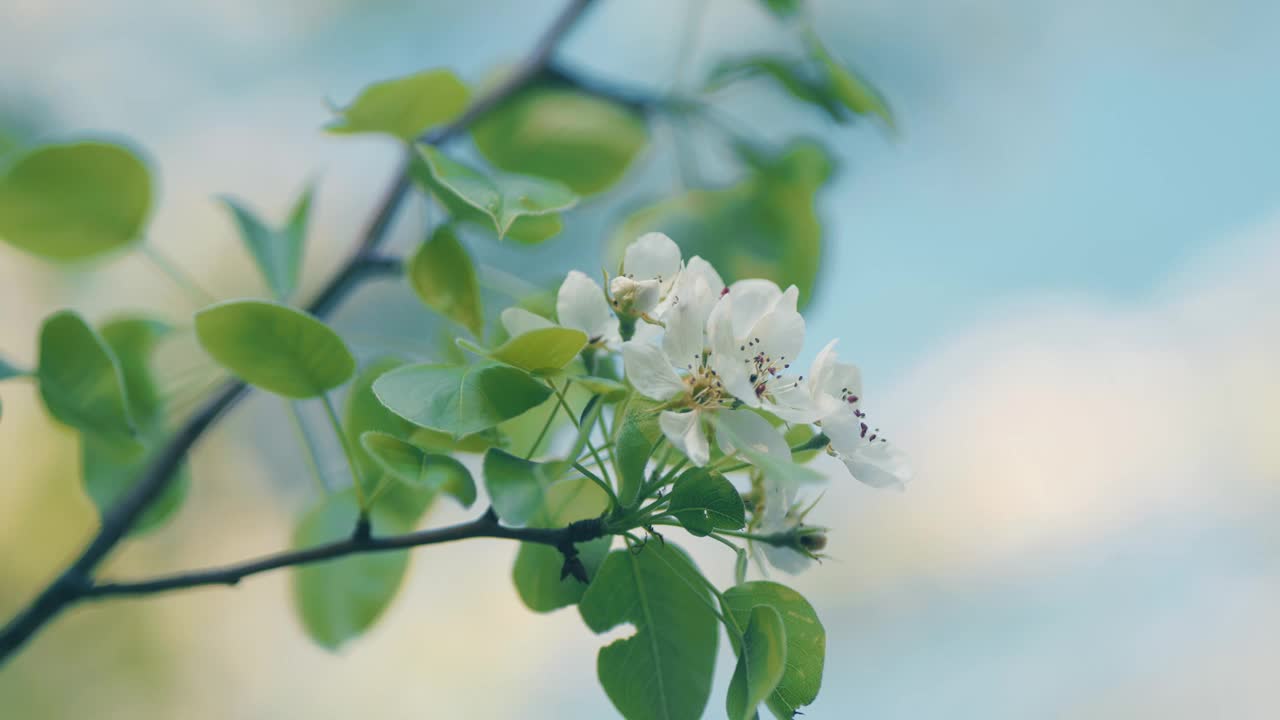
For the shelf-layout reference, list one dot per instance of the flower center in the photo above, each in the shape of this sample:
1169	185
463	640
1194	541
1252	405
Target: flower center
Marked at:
764	371
704	387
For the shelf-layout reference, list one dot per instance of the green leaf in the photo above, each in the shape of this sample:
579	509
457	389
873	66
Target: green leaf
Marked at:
631	454
411	465
365	413
798	435
436	441
277	348
608	390
74	201
541	350
81	382
517	487
663	671
503	199
404	107
782	8
537	571
442	274
762	659
459	400
527	229
769	214
110	470
278	253
805	637
703	501
851	90
795	77
585	142
338	600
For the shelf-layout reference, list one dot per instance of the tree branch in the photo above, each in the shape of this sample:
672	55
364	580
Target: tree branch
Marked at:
485	526
72	584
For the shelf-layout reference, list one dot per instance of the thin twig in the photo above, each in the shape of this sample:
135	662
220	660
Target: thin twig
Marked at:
485	526
72	584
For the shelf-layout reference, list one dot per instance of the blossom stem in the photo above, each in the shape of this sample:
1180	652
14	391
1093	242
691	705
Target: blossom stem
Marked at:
542	434
313	456
595	454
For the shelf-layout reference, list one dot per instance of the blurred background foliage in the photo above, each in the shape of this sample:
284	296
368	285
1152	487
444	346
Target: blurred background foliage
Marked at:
1043	267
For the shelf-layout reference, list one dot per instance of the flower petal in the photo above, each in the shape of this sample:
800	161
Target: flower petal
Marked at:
519	321
879	465
780	334
684	431
831	382
650	371
753	431
875	463
686	323
747	302
581	305
653	256
785	559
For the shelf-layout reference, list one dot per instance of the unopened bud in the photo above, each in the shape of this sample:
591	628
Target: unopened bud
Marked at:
634	297
814	542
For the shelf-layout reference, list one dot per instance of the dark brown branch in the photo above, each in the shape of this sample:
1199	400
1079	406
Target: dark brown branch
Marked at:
485	526
72	584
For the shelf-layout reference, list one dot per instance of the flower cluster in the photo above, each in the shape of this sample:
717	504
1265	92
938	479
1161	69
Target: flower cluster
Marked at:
720	361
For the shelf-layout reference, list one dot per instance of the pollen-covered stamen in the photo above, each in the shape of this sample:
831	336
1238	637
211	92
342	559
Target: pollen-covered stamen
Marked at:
705	389
764	372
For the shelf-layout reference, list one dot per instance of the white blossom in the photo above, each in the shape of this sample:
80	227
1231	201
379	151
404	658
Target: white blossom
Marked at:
756	333
650	267
836	389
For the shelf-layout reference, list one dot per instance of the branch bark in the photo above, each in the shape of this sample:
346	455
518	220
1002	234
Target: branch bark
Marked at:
77	579
485	526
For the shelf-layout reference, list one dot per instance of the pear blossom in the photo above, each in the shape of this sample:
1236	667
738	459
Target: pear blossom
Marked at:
835	388
580	305
677	371
650	266
756	332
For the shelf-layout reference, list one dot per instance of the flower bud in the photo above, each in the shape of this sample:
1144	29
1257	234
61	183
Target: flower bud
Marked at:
634	297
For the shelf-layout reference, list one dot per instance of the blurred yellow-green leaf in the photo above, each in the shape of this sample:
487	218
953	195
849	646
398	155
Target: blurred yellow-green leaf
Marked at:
338	600
74	201
543	349
404	107
537	568
584	142
503	199
442	274
795	76
459	400
277	252
363	413
855	92
109	469
277	348
411	465
81	382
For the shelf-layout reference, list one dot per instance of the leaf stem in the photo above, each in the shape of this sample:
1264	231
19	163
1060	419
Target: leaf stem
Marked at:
313	456
349	451
198	295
